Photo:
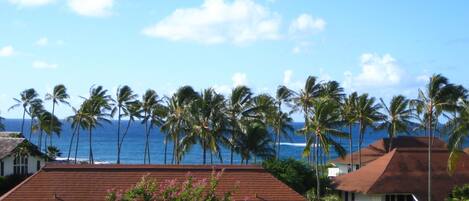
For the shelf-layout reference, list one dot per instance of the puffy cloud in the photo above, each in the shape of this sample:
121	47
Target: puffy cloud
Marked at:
30	3
217	21
42	41
6	51
379	71
44	65
92	8
239	79
307	24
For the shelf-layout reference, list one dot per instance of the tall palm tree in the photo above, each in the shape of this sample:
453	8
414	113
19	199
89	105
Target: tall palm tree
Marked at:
368	114
348	113
125	98
34	110
177	122
303	102
237	108
149	101
58	95
205	116
398	117
133	112
77	122
324	122
26	98
459	127
95	110
282	122
254	142
439	96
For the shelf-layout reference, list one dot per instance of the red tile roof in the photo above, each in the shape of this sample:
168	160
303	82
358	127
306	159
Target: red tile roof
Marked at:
380	147
404	170
91	182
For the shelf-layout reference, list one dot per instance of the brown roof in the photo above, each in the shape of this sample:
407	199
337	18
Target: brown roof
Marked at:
466	150
91	182
404	170
380	147
8	144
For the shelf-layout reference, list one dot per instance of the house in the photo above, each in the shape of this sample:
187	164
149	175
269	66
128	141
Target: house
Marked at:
18	156
376	150
401	175
91	182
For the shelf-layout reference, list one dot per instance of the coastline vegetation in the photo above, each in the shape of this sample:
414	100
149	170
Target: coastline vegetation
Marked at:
252	125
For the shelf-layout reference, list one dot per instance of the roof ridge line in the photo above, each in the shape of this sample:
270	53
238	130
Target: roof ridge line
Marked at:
393	152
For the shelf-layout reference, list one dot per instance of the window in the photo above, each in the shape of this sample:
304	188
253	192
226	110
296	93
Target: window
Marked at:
399	198
20	165
346	196
2	169
353	196
38	165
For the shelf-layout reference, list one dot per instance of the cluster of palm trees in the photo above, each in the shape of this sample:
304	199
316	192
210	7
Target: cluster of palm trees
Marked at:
252	126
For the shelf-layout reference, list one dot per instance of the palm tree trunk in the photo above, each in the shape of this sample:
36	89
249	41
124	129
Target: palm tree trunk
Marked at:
52	121
40	139
31	128
118	136
91	147
351	147
71	143
148	145
146	130
76	146
232	139
204	151
123	137
318	182
430	136
22	123
278	143
165	147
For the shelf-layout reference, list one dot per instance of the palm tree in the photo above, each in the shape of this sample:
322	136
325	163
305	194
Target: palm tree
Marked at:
459	127
368	114
282	122
2	126
44	125
348	113
95	110
303	102
26	98
34	110
149	101
397	118
255	141
438	97
237	108
125	98
133	112
177	120
58	95
324	122
77	124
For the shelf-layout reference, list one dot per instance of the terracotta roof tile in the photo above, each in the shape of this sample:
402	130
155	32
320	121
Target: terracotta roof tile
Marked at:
90	182
404	170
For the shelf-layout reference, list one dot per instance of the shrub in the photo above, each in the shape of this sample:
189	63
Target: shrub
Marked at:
296	174
459	193
190	189
9	182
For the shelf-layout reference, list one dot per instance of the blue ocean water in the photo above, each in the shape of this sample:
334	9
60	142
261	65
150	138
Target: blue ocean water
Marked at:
105	137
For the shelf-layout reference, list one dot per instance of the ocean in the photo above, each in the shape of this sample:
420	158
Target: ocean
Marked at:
105	137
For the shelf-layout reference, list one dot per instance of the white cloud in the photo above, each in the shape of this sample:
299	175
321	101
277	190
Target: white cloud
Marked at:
42	41
379	70
239	79
30	3
217	21
92	8
307	24
44	65
6	51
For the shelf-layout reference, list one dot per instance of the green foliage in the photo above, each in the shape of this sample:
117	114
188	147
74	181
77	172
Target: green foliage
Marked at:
9	182
191	189
459	193
53	152
296	174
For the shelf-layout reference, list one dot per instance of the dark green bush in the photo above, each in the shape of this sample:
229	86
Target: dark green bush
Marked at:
9	182
459	193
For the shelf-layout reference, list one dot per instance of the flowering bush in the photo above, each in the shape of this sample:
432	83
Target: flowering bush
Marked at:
191	189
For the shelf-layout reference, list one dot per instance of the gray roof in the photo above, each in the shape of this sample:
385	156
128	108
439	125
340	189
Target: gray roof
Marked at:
8	144
10	134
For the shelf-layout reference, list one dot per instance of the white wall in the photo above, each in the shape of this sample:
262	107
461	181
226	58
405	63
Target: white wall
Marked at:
32	164
339	169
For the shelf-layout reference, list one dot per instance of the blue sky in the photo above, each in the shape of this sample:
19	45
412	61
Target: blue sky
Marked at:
381	47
